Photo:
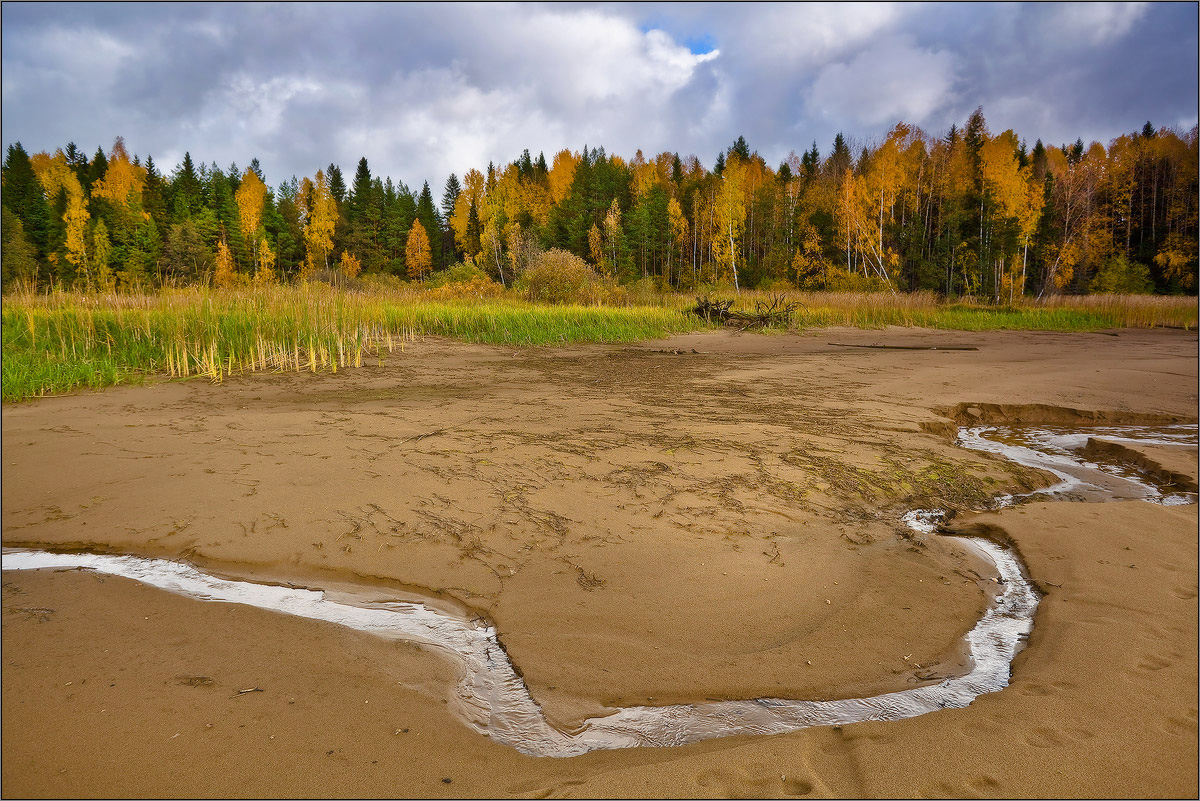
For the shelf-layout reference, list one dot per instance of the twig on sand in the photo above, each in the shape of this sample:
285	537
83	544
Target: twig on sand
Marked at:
240	693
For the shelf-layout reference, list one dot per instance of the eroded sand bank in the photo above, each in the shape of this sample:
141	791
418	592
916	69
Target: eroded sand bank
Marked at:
644	526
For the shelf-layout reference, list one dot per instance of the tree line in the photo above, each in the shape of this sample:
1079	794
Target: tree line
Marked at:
967	212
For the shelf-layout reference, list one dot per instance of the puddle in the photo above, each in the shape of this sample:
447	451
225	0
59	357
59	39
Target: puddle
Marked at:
493	700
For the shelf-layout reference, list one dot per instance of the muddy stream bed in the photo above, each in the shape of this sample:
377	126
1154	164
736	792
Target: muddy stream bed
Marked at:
493	700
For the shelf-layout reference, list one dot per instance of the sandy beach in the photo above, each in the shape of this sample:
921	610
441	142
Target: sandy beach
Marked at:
714	516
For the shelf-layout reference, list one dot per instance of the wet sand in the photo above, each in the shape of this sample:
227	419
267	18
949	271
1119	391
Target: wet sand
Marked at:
644	525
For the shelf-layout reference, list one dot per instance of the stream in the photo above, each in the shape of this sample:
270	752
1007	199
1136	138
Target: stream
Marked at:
493	700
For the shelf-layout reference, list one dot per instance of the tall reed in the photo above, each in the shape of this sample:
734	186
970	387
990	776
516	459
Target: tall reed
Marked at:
58	342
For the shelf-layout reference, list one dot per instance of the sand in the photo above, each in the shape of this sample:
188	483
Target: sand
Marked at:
675	521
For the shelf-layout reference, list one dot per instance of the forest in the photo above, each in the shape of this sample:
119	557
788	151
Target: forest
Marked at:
966	213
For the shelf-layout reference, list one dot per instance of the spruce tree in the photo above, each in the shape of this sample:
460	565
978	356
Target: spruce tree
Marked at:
185	190
839	159
96	170
450	251
740	148
360	192
24	197
337	185
428	216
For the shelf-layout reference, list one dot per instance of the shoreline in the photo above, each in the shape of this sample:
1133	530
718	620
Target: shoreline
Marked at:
600	425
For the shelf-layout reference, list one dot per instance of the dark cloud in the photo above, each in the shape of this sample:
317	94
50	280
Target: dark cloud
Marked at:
426	89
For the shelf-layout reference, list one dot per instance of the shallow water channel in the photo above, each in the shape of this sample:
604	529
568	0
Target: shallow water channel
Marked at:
494	701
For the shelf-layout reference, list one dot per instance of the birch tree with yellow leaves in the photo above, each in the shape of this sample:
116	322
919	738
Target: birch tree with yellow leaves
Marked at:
730	218
318	210
417	257
56	175
250	197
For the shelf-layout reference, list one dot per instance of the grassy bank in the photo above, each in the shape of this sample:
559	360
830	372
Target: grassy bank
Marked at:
64	341
61	342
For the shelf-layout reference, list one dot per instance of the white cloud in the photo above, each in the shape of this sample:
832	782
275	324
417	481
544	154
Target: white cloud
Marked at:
888	83
1099	23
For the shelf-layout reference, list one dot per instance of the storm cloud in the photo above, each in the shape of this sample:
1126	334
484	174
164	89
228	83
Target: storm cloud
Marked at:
423	90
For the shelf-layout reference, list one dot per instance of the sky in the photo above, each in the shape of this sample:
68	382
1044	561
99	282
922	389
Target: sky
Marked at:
423	90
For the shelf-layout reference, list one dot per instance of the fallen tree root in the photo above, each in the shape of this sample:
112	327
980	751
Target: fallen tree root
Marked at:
779	311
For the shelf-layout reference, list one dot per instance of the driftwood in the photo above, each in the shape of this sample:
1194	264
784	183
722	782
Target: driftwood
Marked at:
778	311
904	347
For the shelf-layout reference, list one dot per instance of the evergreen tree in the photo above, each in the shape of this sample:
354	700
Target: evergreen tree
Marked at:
450	196
474	230
839	159
337	185
428	216
185	192
24	197
810	161
360	192
399	211
154	193
364	219
450	251
96	171
975	134
75	157
18	257
740	148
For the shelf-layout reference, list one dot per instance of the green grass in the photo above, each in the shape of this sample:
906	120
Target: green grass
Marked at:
59	343
62	342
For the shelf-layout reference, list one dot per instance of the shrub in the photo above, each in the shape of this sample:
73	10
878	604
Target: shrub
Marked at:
1123	277
557	276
